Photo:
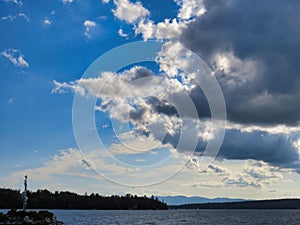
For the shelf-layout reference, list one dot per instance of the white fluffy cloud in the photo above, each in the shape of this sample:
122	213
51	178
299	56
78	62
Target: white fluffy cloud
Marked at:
121	33
89	25
47	22
190	8
135	95
130	12
166	30
16	57
169	29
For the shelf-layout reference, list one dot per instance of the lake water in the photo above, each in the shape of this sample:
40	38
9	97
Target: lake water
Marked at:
168	217
173	217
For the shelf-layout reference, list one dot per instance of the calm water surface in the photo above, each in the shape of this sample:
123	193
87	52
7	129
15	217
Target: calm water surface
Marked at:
173	217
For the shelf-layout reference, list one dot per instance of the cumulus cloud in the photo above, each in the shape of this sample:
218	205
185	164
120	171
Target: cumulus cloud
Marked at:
130	12
190	8
168	29
89	25
16	57
256	63
136	95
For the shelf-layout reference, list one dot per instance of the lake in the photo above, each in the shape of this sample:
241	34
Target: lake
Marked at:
173	217
168	217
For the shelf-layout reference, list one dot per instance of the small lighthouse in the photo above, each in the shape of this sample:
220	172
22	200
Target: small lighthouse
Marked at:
24	194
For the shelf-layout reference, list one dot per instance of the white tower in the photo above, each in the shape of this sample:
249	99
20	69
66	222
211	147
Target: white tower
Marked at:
24	194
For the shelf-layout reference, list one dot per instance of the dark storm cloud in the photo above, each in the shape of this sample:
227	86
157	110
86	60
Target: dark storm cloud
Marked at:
200	101
266	32
271	148
158	106
162	106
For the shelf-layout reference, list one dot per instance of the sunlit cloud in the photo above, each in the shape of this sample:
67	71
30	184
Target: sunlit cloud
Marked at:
15	57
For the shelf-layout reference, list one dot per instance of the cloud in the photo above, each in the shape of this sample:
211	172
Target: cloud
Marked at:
71	163
255	63
256	174
47	22
238	174
67	1
20	3
190	8
168	29
122	34
262	171
130	144
277	149
68	162
195	163
240	182
144	99
16	57
126	97
12	18
89	25
130	12
129	96
60	88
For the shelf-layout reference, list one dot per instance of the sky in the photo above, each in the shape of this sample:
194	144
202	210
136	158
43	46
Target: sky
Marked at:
183	97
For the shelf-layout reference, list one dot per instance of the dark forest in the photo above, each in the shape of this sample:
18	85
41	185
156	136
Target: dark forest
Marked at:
44	199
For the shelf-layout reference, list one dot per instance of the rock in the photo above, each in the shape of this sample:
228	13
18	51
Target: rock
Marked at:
28	217
27	220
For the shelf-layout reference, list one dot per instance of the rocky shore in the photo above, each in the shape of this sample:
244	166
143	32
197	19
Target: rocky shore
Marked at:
29	218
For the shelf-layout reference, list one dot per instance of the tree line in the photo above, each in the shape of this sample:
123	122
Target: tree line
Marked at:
44	199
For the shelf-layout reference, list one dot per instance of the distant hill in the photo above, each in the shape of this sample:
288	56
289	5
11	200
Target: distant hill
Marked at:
180	200
260	204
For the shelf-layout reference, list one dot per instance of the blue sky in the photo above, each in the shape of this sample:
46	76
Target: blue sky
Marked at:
47	46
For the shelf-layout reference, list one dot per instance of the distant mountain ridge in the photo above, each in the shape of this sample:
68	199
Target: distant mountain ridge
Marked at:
181	200
258	204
